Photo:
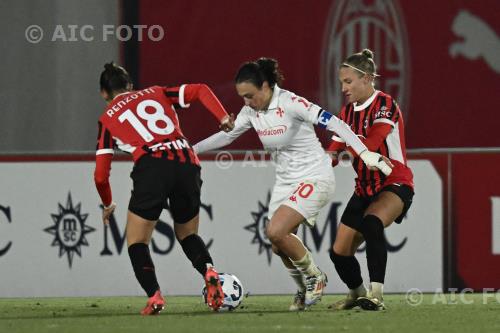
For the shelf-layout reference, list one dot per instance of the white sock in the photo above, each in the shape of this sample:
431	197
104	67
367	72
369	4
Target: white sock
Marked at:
306	265
377	289
298	277
358	292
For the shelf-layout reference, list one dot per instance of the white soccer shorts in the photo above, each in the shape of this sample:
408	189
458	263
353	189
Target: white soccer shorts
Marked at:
307	197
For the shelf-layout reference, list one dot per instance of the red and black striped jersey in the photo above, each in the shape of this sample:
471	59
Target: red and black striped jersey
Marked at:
145	122
380	108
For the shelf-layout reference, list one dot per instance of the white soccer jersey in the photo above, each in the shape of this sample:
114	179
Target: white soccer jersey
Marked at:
286	131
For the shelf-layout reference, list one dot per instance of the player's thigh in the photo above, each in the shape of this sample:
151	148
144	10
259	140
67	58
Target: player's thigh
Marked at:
299	203
347	240
387	206
285	221
185	199
183	230
310	196
152	180
354	212
139	230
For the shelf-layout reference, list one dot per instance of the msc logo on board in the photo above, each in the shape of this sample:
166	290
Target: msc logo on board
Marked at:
69	230
316	239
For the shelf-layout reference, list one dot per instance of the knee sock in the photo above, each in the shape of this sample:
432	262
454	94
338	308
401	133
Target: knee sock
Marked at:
376	251
196	251
348	269
144	268
298	278
306	265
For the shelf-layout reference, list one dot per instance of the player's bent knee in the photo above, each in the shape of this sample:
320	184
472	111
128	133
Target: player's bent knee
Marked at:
278	252
137	238
275	236
341	249
333	255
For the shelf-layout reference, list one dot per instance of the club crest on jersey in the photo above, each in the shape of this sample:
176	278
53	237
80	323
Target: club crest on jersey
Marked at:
280	112
69	230
258	228
353	25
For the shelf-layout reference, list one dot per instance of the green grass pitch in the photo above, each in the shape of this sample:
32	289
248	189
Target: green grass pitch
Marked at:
257	314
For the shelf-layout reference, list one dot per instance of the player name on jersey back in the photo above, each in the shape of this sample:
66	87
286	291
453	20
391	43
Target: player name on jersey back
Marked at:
129	98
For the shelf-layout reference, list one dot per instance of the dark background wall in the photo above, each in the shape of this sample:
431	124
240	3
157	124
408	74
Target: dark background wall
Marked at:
440	59
49	97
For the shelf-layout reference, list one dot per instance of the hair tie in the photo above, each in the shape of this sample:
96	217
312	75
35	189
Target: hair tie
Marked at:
359	70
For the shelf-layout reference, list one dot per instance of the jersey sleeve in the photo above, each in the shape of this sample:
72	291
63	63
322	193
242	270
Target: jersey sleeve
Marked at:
388	112
302	109
337	144
101	177
376	136
183	96
105	141
104	155
176	96
221	139
314	114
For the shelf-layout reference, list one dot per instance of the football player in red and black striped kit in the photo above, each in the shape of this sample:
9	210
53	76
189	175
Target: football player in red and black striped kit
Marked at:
378	200
145	124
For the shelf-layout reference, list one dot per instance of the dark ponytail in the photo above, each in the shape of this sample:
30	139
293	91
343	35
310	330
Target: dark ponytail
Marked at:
114	78
256	72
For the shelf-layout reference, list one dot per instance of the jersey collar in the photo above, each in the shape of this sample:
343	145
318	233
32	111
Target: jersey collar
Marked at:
123	93
366	103
274	99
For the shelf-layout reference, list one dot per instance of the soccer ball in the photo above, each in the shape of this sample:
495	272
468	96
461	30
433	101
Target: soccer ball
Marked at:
233	292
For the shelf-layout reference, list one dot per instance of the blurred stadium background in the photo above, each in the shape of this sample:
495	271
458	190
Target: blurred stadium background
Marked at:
440	59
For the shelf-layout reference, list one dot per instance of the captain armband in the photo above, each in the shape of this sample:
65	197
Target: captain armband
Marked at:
324	118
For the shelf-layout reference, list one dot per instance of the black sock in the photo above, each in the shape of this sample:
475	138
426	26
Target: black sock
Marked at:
348	269
196	251
376	251
144	268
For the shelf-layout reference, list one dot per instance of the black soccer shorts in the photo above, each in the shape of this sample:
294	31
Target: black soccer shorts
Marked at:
357	205
157	180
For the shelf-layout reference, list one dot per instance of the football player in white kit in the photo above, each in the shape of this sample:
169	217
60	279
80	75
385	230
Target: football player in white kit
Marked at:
305	181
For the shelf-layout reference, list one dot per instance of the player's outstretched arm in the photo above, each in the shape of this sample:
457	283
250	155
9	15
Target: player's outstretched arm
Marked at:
222	139
334	124
205	95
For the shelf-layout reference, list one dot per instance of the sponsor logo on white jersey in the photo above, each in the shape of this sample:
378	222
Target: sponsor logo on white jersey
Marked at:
271	131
